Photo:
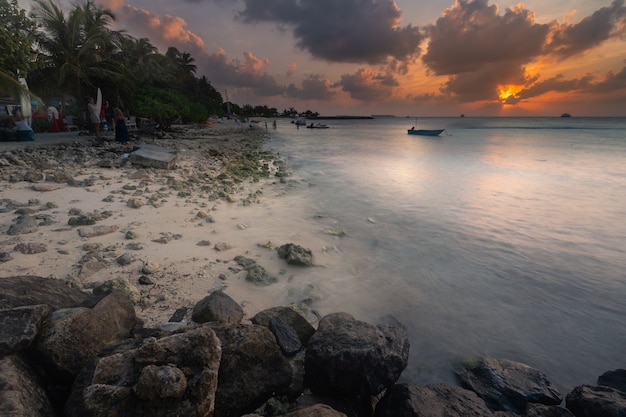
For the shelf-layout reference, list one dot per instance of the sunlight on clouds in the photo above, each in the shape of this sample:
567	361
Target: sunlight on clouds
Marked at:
253	64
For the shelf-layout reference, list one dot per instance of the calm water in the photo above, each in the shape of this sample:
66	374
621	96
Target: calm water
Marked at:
505	238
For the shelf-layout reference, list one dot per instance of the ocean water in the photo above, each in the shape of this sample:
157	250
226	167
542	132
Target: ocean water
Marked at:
505	237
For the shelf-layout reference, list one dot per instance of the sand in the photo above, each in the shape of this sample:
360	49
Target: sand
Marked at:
183	241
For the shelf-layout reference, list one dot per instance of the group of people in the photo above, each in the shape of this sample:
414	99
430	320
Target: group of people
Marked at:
97	116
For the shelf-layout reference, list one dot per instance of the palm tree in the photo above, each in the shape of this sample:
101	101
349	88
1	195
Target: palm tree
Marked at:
75	50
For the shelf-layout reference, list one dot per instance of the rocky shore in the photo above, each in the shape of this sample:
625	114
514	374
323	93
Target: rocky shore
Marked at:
120	271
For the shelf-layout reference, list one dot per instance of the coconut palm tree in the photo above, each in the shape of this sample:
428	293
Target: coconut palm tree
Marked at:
75	50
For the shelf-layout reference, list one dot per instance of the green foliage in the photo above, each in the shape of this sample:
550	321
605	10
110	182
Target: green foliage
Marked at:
16	33
164	106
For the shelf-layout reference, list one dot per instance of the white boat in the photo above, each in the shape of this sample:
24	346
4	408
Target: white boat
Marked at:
300	122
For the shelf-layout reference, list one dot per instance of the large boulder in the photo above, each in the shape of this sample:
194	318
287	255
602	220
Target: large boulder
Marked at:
21	394
353	358
217	306
596	401
614	379
291	317
20	326
75	336
507	385
252	369
407	400
20	291
175	375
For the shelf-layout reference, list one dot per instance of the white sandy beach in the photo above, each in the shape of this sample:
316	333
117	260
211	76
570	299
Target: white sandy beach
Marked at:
186	237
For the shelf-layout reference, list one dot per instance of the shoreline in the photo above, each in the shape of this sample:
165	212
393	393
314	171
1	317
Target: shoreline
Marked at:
174	233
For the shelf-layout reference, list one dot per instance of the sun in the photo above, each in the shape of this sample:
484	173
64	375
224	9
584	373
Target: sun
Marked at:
508	93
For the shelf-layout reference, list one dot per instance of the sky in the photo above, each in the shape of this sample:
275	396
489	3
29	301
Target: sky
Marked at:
403	57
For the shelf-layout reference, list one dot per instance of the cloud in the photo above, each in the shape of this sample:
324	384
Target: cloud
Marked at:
606	23
162	32
292	69
472	35
367	85
314	87
358	31
609	83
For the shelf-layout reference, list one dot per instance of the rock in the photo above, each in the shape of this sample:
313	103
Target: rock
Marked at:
317	410
75	336
46	187
217	307
154	156
144	280
33	176
20	392
295	254
140	174
251	371
506	385
175	375
23	225
353	358
31	248
256	274
20	326
91	263
5	256
124	259
290	316
97	231
134	203
614	379
150	267
20	291
179	315
540	410
407	400
165	382
286	336
82	220
119	284
596	401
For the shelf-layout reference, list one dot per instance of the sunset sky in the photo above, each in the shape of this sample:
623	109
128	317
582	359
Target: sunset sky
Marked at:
408	57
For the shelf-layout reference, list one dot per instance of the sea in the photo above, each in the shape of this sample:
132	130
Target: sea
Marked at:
503	237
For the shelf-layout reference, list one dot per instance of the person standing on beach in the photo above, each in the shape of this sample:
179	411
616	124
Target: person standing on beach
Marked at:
94	116
23	131
121	131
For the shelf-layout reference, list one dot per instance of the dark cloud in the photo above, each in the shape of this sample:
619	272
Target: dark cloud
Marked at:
314	87
360	31
610	83
483	84
603	24
557	83
472	35
249	73
367	85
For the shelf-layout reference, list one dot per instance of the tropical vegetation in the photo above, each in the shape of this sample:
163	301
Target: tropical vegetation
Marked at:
66	55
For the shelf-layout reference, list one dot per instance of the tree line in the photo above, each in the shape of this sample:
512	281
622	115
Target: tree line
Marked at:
67	56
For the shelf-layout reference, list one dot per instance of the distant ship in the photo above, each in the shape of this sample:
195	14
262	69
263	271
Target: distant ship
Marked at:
566	115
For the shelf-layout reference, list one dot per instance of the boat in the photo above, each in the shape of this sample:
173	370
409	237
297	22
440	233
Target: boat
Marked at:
317	126
425	132
300	122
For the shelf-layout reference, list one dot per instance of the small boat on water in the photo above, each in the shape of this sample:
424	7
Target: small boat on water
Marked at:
317	126
300	122
425	132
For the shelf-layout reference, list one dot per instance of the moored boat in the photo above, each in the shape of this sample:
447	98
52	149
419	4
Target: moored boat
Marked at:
425	132
317	126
